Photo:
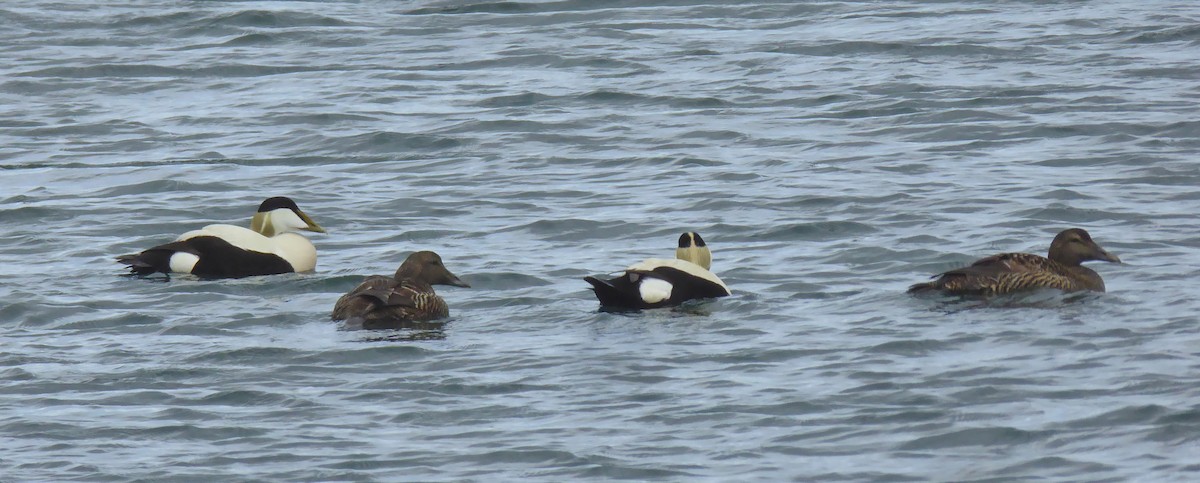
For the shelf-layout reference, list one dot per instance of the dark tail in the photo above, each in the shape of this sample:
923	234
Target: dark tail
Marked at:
147	262
924	288
611	295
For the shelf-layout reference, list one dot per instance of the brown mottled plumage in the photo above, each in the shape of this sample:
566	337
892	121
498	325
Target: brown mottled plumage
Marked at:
381	302
1014	272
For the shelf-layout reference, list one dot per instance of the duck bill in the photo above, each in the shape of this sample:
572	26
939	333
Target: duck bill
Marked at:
1102	254
312	225
455	281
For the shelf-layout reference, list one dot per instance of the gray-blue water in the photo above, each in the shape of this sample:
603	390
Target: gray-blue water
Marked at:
831	153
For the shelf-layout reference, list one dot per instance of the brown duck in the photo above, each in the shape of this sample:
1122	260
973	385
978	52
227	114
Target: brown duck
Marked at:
1013	272
399	301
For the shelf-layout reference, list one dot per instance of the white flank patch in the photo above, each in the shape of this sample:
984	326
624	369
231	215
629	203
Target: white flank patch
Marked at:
183	262
654	290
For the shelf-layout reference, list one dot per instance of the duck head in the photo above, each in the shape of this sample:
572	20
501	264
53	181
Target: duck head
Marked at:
693	249
427	266
1075	246
281	215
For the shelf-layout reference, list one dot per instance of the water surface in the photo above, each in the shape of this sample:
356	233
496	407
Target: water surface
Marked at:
831	153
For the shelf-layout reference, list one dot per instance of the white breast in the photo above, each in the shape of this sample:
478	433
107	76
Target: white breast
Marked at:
297	250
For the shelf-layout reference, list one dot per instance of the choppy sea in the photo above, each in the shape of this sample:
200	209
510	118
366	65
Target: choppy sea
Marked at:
831	153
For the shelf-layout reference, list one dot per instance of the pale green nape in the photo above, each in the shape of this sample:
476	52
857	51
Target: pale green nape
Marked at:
261	223
701	256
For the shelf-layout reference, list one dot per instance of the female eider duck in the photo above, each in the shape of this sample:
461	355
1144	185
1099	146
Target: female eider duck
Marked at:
1014	272
394	302
658	282
268	247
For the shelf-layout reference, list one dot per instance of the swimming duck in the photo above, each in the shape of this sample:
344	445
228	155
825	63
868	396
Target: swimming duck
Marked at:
268	247
658	282
381	302
1012	272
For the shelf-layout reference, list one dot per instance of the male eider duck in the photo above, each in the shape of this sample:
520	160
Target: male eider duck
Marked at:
1014	272
658	282
268	247
394	302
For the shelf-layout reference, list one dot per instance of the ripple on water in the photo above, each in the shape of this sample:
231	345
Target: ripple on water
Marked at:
831	154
